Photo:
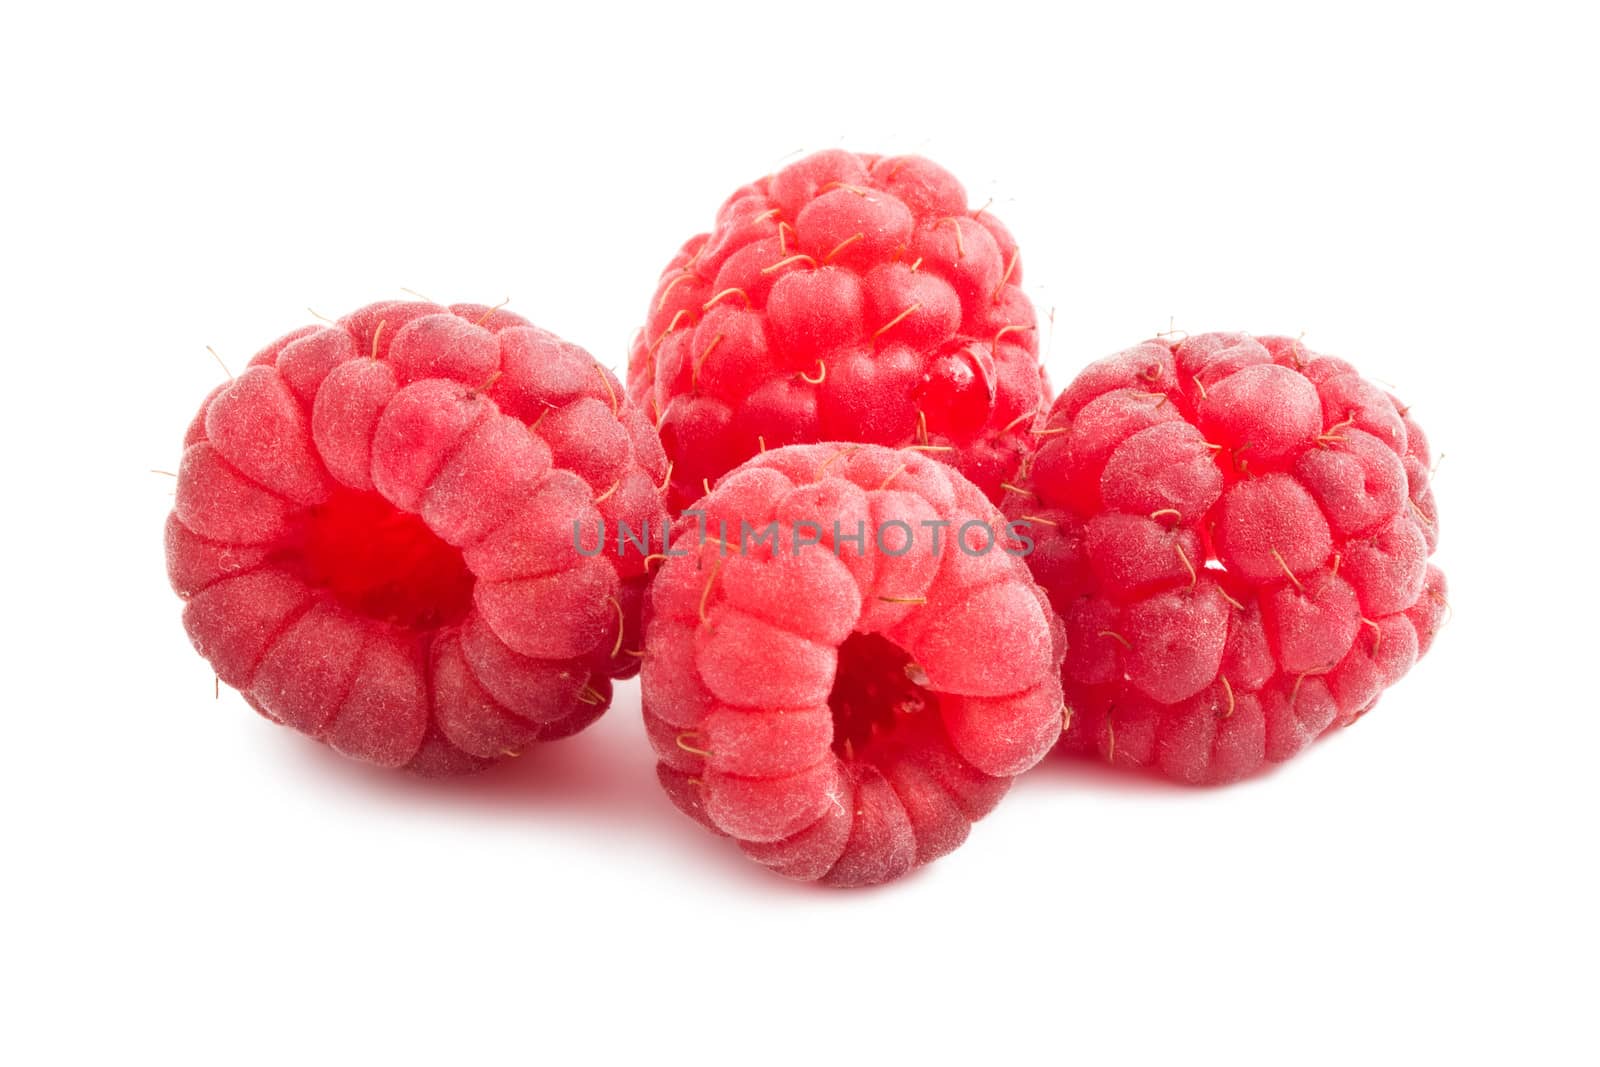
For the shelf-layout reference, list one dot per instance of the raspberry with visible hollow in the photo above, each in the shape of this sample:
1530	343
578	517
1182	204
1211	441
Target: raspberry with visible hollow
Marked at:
846	297
373	534
845	708
1236	532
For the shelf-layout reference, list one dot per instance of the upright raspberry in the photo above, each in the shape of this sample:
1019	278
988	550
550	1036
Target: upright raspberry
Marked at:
374	534
850	667
847	297
1237	535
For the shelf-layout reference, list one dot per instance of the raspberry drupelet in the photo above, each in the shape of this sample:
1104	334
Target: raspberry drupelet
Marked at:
373	534
843	688
1237	533
846	297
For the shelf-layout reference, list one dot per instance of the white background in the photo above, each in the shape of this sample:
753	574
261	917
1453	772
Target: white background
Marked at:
1413	188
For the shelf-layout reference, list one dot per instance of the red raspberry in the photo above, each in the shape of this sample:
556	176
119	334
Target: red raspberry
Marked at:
1238	539
847	297
845	709
374	534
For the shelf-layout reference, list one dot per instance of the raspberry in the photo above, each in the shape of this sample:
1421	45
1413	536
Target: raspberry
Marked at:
847	297
373	534
846	708
1236	532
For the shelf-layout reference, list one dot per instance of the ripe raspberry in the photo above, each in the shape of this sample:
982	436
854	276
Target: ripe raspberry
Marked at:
846	708
1239	543
373	534
847	297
